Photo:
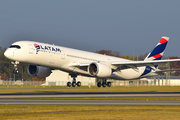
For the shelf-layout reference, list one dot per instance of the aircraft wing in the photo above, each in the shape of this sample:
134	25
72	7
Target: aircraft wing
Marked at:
120	65
135	64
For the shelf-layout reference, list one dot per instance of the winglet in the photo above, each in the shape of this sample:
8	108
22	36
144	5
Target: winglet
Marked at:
158	51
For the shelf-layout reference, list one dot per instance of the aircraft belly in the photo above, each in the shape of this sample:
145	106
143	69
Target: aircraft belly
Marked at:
127	74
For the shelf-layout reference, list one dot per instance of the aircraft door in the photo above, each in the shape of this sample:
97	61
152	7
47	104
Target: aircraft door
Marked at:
62	54
13	52
30	49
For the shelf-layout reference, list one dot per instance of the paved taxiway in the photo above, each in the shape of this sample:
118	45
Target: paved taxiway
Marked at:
85	102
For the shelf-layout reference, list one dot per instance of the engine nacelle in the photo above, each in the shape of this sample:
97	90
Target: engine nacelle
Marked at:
39	71
99	70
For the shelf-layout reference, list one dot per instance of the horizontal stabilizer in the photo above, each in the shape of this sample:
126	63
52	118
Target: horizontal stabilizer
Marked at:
162	71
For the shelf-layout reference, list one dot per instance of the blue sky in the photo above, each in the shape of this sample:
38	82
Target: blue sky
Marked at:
132	27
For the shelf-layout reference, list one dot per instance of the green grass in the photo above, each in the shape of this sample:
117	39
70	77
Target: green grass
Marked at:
22	89
112	98
88	112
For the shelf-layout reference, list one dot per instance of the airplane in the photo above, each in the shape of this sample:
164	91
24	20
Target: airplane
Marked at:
42	58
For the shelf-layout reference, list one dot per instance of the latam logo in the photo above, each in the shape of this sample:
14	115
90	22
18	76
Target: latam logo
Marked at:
36	46
46	48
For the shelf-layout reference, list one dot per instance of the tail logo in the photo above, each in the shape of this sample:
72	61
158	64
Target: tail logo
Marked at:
158	51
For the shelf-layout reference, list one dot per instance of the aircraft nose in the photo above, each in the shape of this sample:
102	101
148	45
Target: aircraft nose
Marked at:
7	53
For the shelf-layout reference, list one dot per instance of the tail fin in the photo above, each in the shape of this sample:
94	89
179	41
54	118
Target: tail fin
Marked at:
158	51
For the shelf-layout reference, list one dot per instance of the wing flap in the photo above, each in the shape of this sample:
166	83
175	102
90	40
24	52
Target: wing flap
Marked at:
76	64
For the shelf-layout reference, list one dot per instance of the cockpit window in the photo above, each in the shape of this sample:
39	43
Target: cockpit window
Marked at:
15	46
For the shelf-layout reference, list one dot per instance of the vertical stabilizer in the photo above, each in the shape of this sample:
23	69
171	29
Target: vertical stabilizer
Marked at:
158	51
156	54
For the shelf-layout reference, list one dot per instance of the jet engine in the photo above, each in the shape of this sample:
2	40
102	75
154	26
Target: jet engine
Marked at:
99	70
39	71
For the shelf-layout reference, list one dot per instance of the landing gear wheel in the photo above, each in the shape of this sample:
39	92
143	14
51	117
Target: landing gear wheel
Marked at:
16	71
109	84
69	84
74	84
99	84
78	84
104	84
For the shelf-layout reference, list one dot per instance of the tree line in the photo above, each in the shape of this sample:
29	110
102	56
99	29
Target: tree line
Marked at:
117	54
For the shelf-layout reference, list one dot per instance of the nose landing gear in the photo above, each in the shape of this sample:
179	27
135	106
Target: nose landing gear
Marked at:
15	71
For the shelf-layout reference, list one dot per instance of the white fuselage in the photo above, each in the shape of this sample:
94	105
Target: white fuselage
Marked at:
57	57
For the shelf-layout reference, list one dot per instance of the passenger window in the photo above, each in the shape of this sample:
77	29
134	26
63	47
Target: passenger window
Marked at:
15	46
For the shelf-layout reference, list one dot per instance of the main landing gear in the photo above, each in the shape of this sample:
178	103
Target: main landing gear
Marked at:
15	71
104	83
73	84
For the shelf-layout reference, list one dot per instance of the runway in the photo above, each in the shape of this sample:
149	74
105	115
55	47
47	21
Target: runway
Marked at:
85	102
26	98
89	95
